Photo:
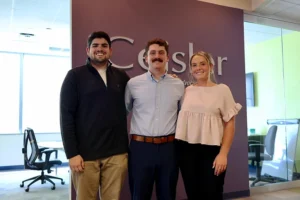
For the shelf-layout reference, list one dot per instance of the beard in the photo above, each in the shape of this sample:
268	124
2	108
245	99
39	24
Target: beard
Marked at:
98	61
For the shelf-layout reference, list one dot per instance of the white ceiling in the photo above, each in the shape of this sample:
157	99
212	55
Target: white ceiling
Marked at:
284	10
49	20
256	33
269	15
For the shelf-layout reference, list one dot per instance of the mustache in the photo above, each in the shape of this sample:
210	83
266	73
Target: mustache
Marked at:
157	59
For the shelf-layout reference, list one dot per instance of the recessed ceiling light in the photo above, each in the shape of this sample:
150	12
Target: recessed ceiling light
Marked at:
27	34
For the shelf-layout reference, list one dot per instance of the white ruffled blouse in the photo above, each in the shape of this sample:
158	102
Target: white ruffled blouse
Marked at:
203	111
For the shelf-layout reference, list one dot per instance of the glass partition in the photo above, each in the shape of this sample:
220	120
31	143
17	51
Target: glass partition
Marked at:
43	77
291	62
266	105
9	89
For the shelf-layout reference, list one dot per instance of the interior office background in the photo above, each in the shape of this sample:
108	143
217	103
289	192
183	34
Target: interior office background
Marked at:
271	58
32	70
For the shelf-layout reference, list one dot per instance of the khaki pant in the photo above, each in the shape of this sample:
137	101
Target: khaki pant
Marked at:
108	173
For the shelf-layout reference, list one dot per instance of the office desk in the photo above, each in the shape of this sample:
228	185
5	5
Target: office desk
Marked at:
257	137
58	145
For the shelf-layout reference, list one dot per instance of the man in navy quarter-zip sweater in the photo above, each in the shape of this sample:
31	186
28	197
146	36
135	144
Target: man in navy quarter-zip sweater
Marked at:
93	122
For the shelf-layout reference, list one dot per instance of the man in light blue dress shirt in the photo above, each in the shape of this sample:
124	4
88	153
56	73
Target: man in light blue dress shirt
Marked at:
154	99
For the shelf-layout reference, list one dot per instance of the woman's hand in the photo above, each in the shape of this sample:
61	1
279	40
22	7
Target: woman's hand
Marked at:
174	75
220	164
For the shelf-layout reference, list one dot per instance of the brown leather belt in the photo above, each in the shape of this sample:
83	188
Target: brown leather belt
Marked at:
155	140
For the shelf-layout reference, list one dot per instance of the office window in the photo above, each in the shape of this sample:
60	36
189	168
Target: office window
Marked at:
43	76
9	90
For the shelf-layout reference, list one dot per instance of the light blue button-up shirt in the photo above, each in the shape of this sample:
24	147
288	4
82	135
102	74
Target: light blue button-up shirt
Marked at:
154	104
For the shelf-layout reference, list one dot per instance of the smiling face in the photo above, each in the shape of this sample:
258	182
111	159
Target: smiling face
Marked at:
99	51
200	68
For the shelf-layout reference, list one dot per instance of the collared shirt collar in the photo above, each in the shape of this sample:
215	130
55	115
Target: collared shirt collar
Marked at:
151	77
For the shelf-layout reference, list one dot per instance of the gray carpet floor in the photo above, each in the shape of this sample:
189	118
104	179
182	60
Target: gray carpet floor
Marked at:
10	186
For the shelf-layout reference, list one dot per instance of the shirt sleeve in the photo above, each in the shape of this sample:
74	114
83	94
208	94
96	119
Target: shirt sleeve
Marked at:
182	98
128	98
229	107
68	108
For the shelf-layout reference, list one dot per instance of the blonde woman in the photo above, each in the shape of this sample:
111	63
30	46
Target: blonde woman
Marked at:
205	130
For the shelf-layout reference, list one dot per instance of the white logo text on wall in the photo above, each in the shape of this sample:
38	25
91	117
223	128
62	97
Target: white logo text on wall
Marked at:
173	57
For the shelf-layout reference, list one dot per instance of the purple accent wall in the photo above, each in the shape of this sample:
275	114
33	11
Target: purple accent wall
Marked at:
216	29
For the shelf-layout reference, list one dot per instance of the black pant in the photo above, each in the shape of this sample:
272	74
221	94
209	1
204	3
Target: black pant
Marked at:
196	162
152	163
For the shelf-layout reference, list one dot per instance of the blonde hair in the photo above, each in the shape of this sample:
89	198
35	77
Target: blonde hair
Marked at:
210	61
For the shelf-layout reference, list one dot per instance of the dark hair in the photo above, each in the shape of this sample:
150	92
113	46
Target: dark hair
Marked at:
158	41
98	34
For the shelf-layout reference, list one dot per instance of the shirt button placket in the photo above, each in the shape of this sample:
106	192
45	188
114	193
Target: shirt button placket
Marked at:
157	108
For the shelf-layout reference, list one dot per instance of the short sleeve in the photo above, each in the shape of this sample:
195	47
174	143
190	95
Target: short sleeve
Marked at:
229	107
